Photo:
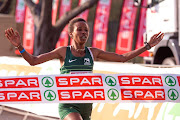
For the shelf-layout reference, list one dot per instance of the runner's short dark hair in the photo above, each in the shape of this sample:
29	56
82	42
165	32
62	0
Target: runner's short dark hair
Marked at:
73	21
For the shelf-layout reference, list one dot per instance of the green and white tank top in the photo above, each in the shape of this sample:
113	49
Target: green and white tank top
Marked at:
75	65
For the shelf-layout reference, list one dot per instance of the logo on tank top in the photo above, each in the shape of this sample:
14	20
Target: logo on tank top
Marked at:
70	61
87	61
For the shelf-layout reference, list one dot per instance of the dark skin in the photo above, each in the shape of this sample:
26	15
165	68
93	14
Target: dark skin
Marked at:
79	35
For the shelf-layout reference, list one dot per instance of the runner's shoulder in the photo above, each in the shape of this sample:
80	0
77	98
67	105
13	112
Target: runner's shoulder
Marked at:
61	51
95	51
63	48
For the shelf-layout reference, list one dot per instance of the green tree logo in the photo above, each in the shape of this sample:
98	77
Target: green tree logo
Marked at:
170	81
47	82
173	94
113	94
49	95
110	81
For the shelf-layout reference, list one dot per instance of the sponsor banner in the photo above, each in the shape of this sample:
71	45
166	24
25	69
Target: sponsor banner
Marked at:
126	27
73	81
29	82
116	111
142	28
81	94
20	11
65	6
20	96
54	11
140	80
143	94
88	88
84	14
28	33
101	24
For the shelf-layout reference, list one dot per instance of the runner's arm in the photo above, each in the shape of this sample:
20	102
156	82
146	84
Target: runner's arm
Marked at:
110	56
14	38
34	60
113	57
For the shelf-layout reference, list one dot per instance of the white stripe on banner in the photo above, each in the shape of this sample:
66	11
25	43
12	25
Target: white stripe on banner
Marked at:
89	88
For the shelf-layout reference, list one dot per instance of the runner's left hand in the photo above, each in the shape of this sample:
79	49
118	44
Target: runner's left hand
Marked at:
155	39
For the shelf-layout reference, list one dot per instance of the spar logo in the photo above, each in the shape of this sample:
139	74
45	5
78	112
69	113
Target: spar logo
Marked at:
22	95
29	82
170	81
110	81
49	95
142	94
78	81
130	80
113	94
173	94
81	94
47	82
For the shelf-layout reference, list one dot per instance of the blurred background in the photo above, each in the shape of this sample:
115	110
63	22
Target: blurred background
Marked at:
111	16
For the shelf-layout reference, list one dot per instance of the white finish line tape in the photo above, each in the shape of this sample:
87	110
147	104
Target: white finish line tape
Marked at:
89	88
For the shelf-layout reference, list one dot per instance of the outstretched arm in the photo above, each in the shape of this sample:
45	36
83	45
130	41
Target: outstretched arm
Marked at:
110	56
14	38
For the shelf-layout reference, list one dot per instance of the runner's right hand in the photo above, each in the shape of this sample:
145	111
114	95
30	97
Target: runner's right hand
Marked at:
13	37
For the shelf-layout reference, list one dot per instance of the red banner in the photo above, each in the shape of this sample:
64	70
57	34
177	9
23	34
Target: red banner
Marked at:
126	27
142	28
28	33
54	11
20	11
63	39
84	14
101	24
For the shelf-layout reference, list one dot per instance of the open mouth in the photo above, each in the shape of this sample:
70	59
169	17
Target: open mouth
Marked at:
83	37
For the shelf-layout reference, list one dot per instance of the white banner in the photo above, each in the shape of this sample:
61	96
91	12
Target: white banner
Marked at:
90	88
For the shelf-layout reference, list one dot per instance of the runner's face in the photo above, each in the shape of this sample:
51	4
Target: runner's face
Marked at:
80	33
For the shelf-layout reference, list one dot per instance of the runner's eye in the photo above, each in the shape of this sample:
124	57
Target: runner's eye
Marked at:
79	29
